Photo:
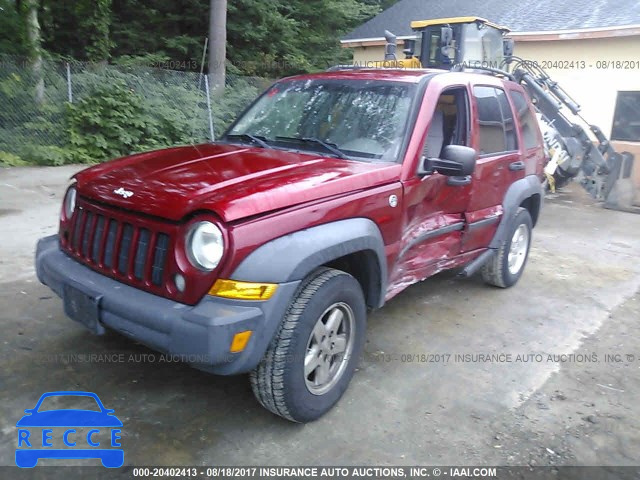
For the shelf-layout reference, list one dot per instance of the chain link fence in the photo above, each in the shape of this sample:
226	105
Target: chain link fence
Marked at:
171	107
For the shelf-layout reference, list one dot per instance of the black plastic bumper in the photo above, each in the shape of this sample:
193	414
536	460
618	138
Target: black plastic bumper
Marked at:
200	335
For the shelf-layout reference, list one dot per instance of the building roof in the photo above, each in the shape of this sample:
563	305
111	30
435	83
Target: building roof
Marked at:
518	15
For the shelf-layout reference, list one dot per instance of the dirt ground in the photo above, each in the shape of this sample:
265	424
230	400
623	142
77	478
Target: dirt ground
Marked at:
454	373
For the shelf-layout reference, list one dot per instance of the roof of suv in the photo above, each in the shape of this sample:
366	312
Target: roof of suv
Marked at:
389	74
402	75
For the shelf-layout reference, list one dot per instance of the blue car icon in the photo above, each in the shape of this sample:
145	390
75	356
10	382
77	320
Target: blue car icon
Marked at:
29	451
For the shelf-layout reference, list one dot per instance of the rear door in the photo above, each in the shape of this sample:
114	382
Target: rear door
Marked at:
499	164
529	132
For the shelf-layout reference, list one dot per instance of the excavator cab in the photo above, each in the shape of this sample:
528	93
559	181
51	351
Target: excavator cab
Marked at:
468	41
580	150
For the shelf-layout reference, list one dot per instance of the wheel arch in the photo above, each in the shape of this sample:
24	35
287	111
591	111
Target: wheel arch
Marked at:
354	244
364	267
526	193
533	204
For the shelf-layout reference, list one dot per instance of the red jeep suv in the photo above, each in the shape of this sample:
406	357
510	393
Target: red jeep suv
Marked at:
329	195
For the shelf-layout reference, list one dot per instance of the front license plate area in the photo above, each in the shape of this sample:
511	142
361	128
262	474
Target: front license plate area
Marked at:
83	307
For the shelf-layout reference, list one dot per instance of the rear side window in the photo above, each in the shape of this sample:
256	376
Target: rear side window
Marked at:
509	124
497	133
528	122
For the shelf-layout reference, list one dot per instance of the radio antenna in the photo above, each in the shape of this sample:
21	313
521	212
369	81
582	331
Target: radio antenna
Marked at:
204	56
202	77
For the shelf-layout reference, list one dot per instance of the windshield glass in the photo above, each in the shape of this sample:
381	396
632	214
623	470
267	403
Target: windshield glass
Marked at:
363	120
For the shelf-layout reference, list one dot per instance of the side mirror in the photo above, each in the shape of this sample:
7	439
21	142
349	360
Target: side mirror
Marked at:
456	161
446	41
446	36
409	48
507	49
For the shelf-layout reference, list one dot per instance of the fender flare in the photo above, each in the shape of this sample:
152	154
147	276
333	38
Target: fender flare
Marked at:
293	256
517	193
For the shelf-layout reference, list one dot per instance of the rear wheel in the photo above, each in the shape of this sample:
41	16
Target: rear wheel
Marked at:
506	267
311	360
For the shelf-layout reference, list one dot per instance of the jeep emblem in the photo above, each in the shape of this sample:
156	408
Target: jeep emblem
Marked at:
393	201
123	193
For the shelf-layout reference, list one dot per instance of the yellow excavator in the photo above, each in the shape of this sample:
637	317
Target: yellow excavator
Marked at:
577	149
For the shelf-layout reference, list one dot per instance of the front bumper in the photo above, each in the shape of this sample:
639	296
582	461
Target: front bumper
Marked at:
200	335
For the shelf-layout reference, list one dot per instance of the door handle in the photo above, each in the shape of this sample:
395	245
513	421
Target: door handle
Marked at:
459	181
516	166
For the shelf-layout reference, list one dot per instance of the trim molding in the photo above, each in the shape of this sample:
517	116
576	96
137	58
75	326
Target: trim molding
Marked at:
482	223
431	234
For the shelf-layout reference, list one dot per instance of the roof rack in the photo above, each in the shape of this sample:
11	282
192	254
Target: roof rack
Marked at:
460	67
338	68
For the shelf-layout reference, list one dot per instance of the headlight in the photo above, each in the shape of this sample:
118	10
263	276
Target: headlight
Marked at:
205	245
69	203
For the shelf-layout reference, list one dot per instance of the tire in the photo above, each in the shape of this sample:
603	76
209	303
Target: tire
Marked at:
280	382
498	271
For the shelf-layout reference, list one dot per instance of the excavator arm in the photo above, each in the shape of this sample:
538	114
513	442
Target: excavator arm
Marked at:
603	172
578	150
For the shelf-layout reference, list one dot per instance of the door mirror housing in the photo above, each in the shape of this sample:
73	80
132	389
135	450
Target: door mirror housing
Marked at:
456	161
409	48
446	37
507	49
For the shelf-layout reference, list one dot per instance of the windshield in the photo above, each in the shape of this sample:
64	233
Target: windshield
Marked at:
363	120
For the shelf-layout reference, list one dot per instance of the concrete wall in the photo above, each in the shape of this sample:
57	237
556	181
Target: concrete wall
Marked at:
595	89
361	55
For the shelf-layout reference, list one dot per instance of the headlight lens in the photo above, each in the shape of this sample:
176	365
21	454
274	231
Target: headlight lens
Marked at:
205	245
69	203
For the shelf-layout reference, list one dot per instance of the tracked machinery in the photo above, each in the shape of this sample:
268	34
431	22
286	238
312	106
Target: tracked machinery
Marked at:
577	149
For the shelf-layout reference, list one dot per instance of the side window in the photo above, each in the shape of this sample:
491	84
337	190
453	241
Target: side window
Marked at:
626	119
497	130
509	124
527	121
450	122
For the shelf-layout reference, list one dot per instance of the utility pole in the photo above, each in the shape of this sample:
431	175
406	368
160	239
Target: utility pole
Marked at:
217	45
35	48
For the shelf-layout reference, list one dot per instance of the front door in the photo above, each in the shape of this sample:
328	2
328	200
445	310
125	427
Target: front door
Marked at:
435	204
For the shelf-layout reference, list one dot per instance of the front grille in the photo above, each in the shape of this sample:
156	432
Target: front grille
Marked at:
132	252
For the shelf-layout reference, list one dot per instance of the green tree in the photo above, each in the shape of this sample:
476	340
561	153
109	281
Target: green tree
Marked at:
95	23
161	30
12	28
264	37
282	37
79	29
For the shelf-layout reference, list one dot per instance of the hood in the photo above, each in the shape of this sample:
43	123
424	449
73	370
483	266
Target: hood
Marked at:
233	181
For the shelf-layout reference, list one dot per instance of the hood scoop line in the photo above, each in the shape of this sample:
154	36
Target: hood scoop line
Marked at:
202	159
232	181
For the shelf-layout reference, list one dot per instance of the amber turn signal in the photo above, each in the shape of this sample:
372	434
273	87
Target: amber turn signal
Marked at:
243	290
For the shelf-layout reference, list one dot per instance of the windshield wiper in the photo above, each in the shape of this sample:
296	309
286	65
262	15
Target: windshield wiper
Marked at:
256	139
330	147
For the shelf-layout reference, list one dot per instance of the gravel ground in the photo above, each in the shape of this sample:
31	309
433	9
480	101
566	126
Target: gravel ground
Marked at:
563	390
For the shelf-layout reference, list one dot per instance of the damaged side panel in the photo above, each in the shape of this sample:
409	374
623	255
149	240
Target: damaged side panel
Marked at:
433	222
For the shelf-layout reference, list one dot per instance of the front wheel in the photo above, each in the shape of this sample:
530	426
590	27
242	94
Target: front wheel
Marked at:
314	353
507	265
